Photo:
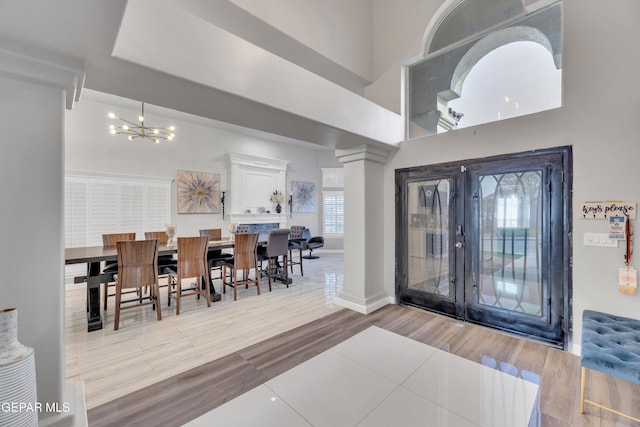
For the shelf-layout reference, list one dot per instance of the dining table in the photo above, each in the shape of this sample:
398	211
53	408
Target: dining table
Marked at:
93	256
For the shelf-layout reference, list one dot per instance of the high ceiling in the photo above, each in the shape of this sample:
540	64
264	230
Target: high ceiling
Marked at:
212	59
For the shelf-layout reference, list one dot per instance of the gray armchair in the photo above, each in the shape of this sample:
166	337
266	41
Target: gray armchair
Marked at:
313	243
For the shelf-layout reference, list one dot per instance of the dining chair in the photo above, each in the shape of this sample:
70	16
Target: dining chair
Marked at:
243	229
192	263
111	268
164	261
277	246
244	259
215	257
137	268
296	240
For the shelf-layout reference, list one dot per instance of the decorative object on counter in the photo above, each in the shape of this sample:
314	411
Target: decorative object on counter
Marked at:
171	234
277	197
139	130
232	227
290	205
261	210
198	192
222	203
17	373
304	196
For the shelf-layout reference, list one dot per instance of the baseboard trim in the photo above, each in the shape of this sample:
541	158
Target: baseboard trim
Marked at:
365	308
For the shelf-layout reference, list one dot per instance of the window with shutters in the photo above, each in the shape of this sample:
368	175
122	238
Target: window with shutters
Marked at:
333	202
333	208
96	204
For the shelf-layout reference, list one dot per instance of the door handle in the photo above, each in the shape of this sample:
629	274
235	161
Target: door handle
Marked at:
459	245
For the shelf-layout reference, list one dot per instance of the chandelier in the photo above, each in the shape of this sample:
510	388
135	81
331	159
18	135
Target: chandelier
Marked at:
139	130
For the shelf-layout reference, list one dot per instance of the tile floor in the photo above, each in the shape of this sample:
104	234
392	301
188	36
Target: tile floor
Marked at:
353	384
151	346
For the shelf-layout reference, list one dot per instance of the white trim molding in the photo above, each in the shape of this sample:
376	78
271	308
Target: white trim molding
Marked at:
362	152
29	63
365	307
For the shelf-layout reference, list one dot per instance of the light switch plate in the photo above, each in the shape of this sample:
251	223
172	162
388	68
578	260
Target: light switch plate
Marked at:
599	239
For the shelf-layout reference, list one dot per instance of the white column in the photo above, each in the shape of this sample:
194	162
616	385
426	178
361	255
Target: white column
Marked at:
363	289
36	86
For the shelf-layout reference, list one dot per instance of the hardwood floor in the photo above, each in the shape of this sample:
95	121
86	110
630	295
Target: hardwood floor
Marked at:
193	385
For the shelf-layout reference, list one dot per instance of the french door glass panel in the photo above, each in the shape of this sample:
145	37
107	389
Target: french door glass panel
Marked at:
510	230
428	238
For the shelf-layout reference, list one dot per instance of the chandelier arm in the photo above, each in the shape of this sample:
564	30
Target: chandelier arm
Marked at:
127	121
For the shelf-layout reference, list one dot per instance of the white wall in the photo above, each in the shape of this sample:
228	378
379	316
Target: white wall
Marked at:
599	118
197	147
398	28
31	256
339	30
369	37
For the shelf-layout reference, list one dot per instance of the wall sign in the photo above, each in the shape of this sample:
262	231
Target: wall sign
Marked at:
604	210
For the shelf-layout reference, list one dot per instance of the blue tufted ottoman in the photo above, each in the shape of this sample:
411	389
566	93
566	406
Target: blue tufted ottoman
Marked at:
611	345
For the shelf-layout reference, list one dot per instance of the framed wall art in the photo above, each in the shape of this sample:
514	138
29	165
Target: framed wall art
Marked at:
198	192
304	196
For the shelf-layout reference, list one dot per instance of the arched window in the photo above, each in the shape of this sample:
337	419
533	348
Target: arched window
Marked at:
485	60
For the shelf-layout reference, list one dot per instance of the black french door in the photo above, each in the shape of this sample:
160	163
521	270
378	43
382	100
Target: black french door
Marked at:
488	241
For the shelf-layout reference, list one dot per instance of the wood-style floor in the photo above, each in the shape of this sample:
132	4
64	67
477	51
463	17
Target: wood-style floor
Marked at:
144	350
183	396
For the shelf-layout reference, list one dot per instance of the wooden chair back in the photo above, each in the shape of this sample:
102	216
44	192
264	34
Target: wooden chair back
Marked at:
137	263
212	233
137	268
110	240
161	236
110	268
244	251
192	257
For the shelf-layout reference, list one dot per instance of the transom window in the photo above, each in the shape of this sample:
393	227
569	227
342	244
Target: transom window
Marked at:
485	60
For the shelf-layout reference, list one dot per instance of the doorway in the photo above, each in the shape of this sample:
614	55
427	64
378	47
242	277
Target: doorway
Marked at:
488	241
